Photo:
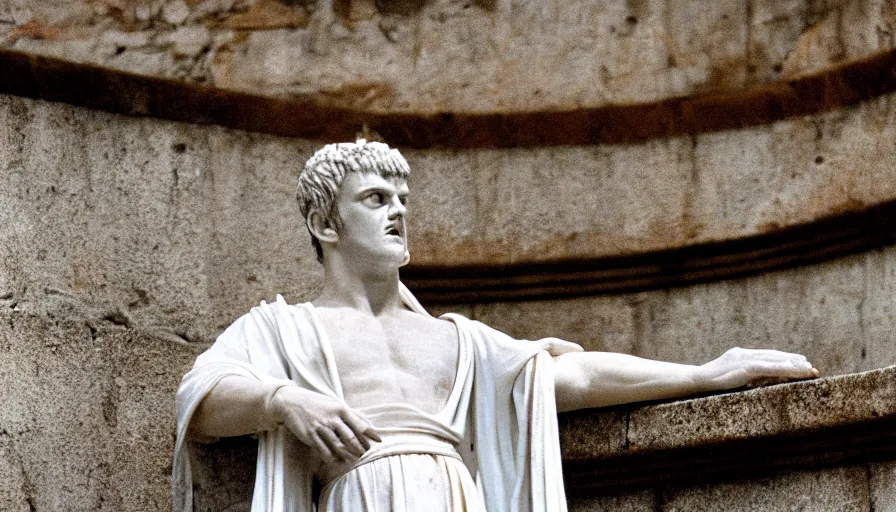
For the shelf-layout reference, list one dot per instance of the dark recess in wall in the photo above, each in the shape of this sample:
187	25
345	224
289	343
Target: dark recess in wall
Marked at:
821	240
319	117
312	117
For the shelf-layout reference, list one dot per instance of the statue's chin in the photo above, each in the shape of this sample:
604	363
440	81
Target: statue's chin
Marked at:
406	259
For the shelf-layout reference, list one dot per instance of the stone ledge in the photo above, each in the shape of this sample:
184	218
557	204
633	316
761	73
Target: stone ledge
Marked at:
836	420
803	425
107	393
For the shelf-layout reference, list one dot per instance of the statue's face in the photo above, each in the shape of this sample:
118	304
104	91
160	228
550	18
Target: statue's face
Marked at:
372	209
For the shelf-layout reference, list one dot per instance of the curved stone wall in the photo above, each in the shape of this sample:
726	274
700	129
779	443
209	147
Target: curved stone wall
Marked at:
177	229
127	244
459	56
840	314
543	204
165	227
605	200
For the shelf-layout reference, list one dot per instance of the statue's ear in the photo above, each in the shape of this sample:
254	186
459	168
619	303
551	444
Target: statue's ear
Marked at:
320	228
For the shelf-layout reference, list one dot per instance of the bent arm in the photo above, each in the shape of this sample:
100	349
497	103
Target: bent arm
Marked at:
598	379
240	405
236	406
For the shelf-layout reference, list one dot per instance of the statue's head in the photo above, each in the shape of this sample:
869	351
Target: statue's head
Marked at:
325	171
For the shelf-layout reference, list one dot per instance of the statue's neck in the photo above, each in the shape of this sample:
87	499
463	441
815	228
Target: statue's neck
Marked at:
374	293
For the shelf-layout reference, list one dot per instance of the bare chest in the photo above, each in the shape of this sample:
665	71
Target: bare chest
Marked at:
413	361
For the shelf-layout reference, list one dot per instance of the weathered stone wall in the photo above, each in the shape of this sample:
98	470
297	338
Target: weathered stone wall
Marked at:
165	227
87	414
544	204
178	229
840	314
155	202
470	55
854	488
127	244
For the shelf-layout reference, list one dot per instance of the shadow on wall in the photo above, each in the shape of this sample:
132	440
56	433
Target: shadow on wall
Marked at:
224	474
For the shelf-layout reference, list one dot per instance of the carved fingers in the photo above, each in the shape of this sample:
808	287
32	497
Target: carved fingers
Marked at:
361	428
322	448
348	436
326	425
557	347
775	364
740	367
336	446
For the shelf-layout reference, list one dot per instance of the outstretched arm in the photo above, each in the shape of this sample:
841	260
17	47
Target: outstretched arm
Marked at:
598	379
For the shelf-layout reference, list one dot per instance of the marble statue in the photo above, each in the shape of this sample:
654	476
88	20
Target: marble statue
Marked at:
363	402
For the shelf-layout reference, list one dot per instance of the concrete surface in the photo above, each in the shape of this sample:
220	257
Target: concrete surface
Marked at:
842	489
786	409
883	486
638	501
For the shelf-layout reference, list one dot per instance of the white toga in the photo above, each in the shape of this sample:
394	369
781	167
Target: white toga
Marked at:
499	424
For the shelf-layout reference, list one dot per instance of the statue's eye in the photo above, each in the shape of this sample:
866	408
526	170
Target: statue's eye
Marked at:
375	199
403	199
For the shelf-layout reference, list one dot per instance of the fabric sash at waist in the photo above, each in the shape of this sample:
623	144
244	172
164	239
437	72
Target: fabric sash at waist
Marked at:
406	444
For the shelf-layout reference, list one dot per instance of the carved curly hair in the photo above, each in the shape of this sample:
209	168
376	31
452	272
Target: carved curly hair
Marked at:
324	172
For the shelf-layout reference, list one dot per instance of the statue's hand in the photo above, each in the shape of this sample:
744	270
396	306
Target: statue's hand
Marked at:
740	367
326	425
557	347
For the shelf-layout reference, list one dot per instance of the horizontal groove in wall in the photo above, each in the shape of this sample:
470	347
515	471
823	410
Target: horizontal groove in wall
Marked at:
821	240
127	93
803	425
310	117
865	443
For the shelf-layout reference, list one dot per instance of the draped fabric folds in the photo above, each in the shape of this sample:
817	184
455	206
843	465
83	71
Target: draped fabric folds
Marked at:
499	424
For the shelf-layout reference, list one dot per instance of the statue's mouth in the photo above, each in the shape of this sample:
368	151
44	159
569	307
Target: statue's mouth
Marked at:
393	230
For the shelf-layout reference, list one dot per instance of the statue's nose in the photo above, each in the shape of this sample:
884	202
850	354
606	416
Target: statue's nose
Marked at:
396	209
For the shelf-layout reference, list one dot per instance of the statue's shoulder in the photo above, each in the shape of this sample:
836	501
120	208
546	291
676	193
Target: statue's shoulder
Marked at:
279	309
473	328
